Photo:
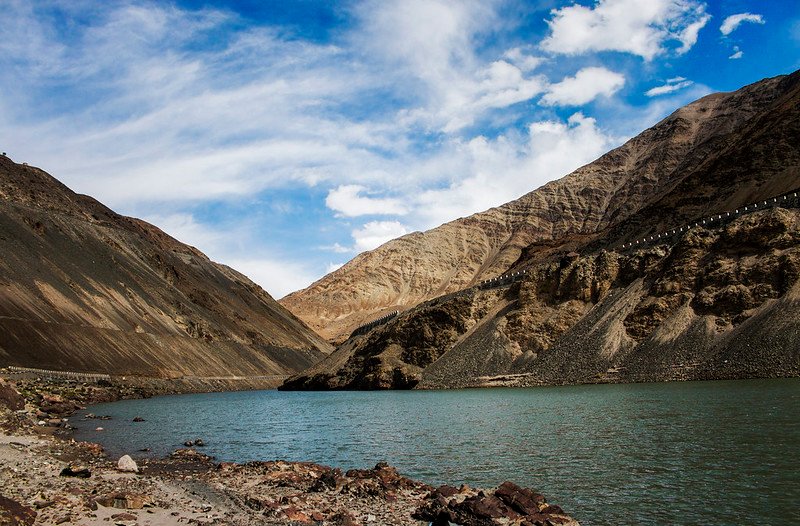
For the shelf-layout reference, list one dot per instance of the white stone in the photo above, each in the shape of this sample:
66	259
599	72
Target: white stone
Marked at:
126	463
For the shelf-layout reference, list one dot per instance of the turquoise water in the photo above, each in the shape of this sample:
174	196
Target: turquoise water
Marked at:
674	453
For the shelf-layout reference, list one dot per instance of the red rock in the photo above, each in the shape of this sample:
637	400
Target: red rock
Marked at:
294	514
522	500
445	491
12	513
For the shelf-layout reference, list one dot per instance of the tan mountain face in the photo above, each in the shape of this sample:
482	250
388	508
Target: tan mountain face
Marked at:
715	302
571	211
85	289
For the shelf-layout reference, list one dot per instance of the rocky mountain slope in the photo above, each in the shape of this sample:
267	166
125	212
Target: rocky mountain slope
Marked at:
420	266
711	302
85	289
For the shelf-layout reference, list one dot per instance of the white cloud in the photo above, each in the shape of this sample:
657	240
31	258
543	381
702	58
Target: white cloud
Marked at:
277	277
585	86
337	249
629	26
524	61
333	267
432	41
511	165
732	22
672	85
186	229
376	233
348	202
222	244
737	53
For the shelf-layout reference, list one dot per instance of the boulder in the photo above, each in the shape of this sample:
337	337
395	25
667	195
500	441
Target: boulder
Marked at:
127	464
508	504
10	397
138	419
124	501
74	470
12	513
522	500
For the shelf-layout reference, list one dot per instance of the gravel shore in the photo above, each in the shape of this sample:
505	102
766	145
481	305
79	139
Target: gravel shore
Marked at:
46	477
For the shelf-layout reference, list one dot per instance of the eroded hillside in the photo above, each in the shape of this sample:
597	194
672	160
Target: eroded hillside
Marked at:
682	165
712	302
85	289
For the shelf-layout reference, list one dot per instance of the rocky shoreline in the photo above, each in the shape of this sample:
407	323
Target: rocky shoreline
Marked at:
46	477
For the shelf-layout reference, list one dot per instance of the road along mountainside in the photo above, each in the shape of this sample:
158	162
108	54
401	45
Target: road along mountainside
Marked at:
83	289
722	151
607	303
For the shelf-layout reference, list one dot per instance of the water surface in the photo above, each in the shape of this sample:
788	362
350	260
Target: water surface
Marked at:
674	453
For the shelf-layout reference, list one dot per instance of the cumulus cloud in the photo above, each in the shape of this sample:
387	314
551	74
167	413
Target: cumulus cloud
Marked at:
629	26
376	233
585	86
406	112
732	22
504	168
737	53
672	85
347	201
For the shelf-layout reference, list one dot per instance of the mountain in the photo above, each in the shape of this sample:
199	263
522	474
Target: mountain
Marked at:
719	301
420	266
85	289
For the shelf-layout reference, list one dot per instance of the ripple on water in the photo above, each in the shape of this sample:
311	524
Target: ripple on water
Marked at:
691	453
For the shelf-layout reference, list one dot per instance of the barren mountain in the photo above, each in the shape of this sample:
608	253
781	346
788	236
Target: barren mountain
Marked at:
85	289
719	300
420	266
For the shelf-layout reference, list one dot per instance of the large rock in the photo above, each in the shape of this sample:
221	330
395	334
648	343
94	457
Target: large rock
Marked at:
508	504
12	513
127	464
10	397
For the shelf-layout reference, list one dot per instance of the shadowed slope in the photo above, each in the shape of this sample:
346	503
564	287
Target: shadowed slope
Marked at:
85	289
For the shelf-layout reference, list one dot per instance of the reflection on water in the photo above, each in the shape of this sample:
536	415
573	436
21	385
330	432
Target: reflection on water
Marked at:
677	453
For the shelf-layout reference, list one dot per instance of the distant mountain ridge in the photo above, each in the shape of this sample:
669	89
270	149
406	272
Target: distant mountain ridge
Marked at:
85	289
703	305
423	265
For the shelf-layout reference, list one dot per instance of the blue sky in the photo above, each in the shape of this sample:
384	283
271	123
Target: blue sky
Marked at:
285	137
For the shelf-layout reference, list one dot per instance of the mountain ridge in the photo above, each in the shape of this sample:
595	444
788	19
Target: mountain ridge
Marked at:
83	288
422	265
717	153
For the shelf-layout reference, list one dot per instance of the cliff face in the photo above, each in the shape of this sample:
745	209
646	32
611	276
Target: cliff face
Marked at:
654	167
711	302
85	289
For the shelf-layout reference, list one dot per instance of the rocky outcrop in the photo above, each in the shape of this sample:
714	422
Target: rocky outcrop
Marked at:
508	504
714	303
85	289
722	151
718	301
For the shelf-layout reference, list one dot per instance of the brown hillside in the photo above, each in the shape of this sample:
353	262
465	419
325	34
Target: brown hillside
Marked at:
717	301
690	143
85	289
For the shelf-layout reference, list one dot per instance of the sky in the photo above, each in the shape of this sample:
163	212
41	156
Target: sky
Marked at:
284	137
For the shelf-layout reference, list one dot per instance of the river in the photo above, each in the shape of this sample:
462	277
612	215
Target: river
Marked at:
650	454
